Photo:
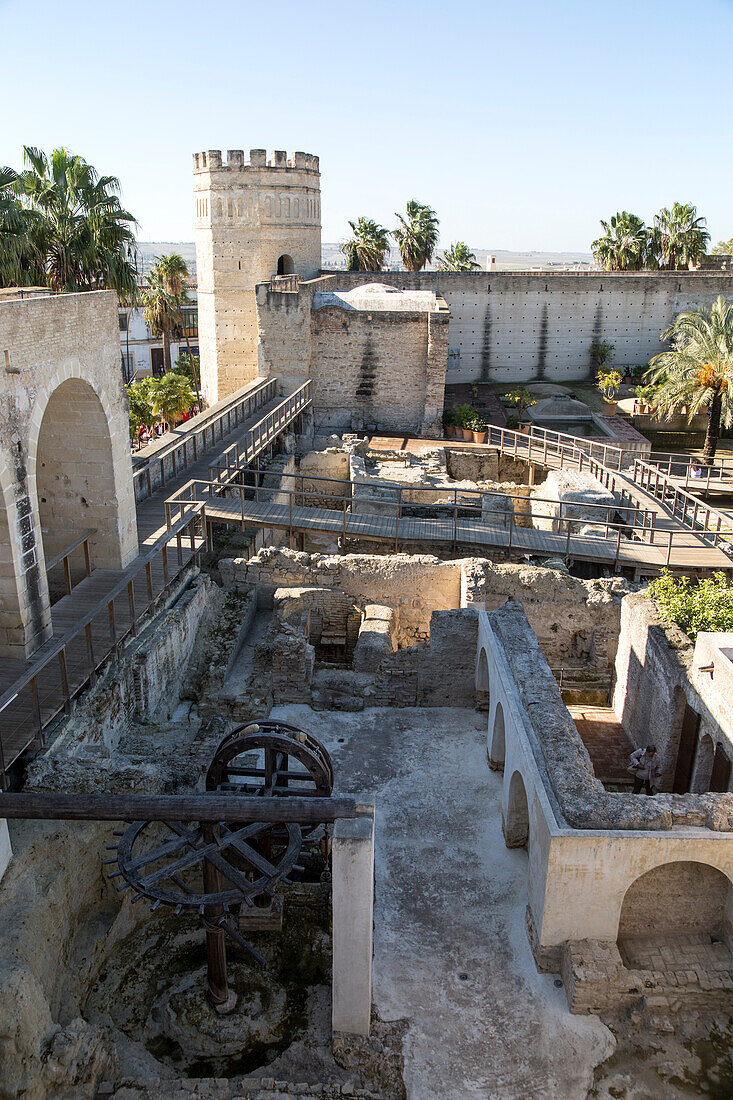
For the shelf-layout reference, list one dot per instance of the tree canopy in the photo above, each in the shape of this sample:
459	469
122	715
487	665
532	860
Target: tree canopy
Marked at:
417	235
62	225
677	239
697	371
368	247
458	258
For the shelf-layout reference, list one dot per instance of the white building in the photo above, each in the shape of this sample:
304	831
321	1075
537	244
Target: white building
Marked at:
142	352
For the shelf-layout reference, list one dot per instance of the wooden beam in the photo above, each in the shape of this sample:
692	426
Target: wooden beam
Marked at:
211	807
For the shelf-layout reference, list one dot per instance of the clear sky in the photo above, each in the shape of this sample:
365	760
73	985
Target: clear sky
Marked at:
522	123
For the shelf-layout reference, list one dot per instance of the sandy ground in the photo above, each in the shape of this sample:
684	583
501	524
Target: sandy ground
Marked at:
451	952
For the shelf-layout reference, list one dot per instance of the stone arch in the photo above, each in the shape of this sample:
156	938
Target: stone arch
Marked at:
683	897
497	749
483	693
516	821
80	473
285	265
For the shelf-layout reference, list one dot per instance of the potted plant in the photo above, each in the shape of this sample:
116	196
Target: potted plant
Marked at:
449	423
608	382
645	398
478	427
465	414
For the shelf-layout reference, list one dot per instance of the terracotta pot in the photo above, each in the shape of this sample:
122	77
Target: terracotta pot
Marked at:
449	431
467	434
479	437
609	407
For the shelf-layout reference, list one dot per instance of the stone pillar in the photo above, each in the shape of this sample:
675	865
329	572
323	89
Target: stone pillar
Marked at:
353	906
6	852
435	367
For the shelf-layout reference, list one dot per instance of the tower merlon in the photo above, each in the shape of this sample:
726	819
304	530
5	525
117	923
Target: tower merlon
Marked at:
212	159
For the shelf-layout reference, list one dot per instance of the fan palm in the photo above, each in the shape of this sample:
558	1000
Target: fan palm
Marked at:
697	372
160	311
417	235
458	258
21	262
174	271
368	248
624	246
86	237
681	236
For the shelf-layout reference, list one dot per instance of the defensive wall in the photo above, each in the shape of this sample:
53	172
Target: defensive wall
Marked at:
521	327
65	465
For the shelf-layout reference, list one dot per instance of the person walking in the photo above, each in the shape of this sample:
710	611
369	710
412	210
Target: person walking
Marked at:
645	770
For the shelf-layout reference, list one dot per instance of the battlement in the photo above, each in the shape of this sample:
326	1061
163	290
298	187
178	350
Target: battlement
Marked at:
211	160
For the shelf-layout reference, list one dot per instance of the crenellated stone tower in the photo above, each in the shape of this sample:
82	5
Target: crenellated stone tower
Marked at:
253	220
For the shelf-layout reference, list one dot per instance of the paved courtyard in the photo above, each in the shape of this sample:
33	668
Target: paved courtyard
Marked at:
451	952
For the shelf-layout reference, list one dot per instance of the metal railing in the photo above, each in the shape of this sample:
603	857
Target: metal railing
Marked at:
544	444
709	523
694	472
72	663
198	436
64	558
261	435
457	505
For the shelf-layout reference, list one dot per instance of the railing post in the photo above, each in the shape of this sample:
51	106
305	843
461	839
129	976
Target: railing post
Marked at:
64	680
67	574
33	686
131	604
149	580
669	548
618	550
90	655
112	623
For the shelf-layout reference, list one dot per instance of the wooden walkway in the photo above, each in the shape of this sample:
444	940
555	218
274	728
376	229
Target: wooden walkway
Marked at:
466	533
45	683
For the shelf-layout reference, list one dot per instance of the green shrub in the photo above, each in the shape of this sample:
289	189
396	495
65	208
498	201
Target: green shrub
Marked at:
465	414
707	605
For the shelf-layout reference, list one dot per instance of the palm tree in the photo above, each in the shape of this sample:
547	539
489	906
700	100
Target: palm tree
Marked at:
624	245
368	248
21	262
160	311
174	271
697	370
417	235
172	396
681	236
457	258
86	237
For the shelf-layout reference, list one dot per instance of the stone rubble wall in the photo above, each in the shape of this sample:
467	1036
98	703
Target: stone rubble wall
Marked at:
577	494
573	619
143	683
563	759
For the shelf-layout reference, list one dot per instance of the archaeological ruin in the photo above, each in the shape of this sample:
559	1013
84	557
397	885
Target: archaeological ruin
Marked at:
315	724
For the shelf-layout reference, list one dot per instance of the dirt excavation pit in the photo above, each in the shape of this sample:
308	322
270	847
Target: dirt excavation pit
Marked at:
151	990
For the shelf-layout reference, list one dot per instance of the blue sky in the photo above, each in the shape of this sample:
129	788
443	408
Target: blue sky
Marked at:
522	123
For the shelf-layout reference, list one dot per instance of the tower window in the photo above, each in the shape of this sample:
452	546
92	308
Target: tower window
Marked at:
285	265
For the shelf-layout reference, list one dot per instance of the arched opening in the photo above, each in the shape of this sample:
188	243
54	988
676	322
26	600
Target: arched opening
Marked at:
516	822
75	478
497	750
285	265
681	899
483	696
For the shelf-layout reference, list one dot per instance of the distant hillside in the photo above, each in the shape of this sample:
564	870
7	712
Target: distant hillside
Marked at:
331	256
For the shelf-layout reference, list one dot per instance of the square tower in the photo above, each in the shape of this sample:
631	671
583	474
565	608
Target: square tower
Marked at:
253	220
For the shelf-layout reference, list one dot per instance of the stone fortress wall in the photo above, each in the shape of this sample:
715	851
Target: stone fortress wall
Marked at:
377	363
65	463
521	327
248	215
